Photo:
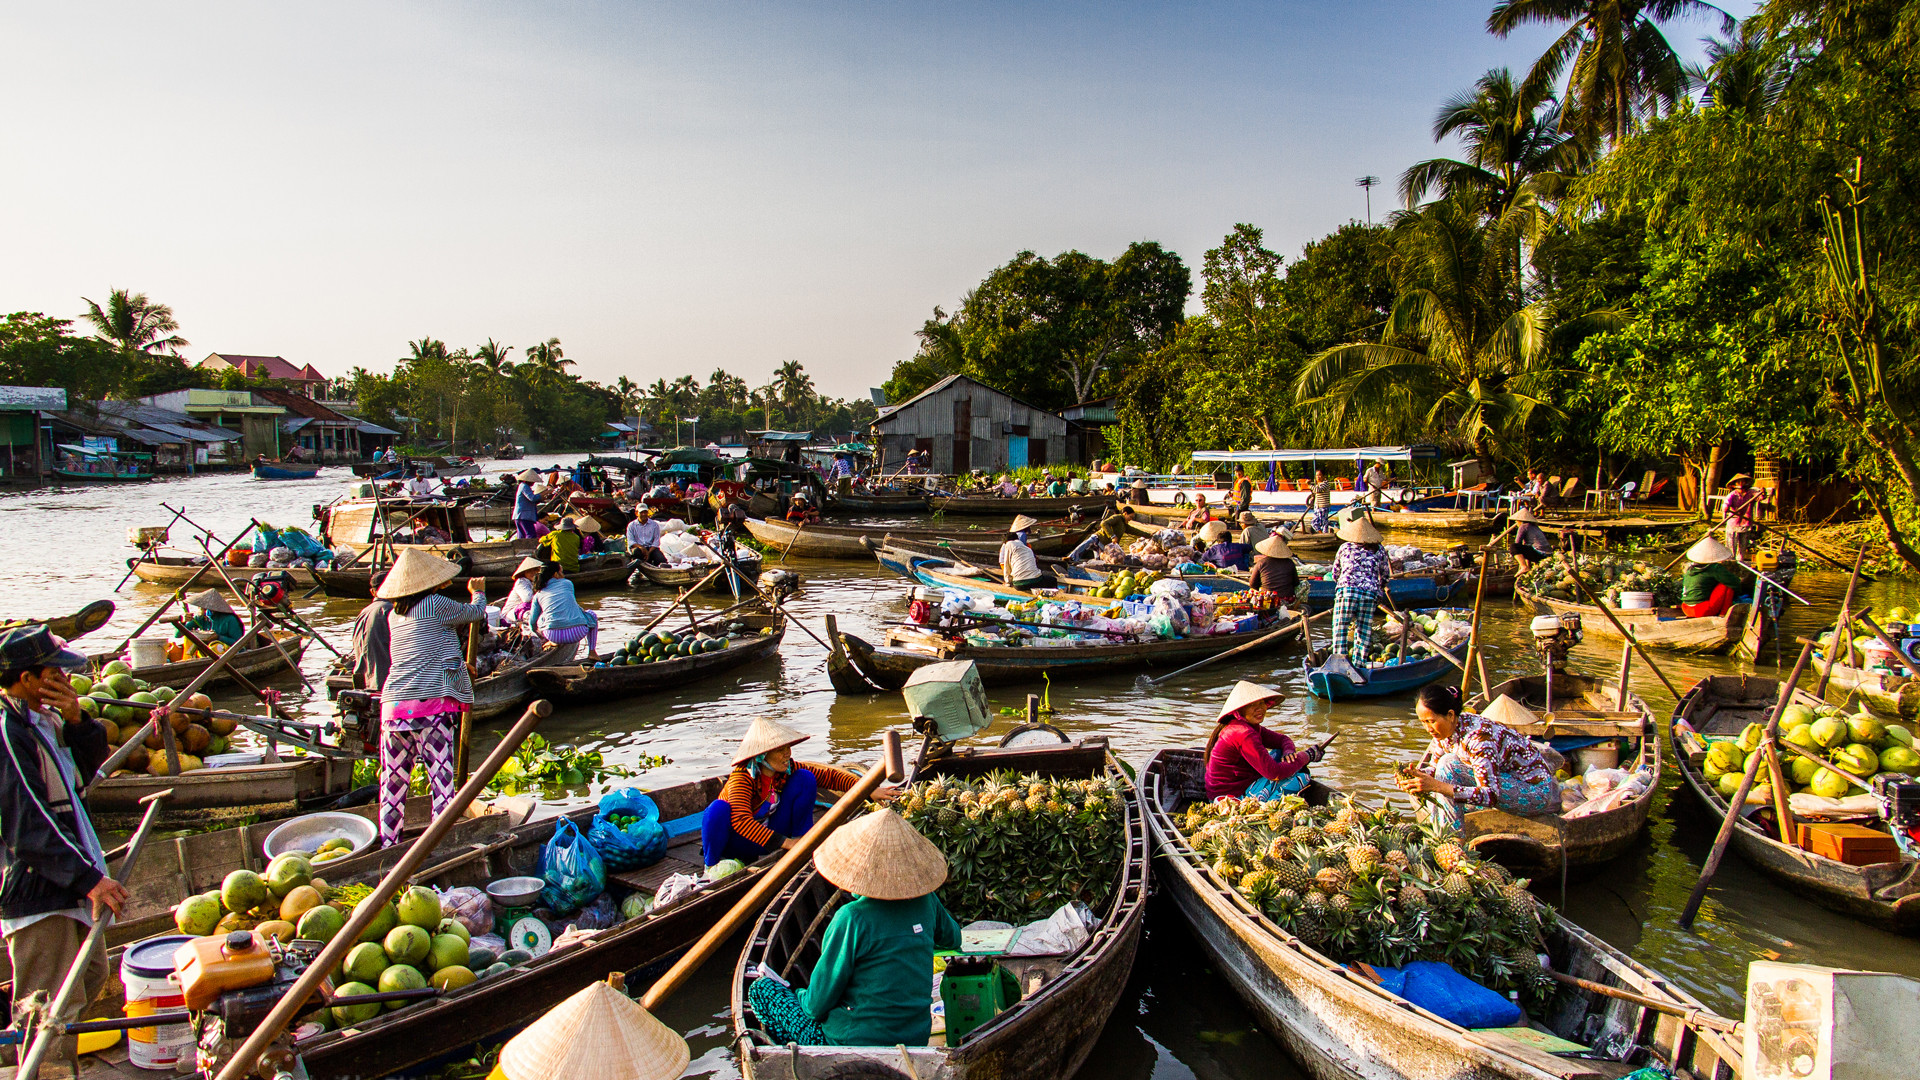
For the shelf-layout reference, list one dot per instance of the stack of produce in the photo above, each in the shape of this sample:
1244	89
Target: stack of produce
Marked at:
655	646
505	647
1444	627
196	739
1867	650
1858	744
1605	576
1370	886
1020	846
1125	585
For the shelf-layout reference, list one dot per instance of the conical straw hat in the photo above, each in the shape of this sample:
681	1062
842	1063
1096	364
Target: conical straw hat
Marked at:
1709	550
765	735
210	601
589	523
1022	522
1246	693
1505	710
415	571
1275	545
1522	514
1358	528
528	564
527	476
597	1034
883	857
1213	532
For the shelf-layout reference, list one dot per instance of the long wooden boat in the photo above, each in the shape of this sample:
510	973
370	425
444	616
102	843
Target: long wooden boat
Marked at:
1338	1025
608	571
506	691
995	506
1721	706
1380	681
1299	542
684	577
578	683
857	667
878	502
1047	1034
1896	697
174	571
762	504
350	523
1444	522
270	789
1583	708
264	471
941	572
253	663
89	618
1654	628
844	541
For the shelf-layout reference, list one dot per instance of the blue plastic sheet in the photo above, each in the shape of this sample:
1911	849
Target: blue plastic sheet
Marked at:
1440	990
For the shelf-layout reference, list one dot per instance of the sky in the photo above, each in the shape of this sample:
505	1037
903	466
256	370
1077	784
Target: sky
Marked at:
674	188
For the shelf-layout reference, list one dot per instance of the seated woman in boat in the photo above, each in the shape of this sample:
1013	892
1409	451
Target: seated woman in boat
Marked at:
869	987
1200	514
519	599
555	613
801	511
1531	545
1275	569
767	798
1480	761
1056	487
1222	551
1712	579
1246	758
214	617
1019	567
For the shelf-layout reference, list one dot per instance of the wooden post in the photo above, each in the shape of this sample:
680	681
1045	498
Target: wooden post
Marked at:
1626	668
1843	629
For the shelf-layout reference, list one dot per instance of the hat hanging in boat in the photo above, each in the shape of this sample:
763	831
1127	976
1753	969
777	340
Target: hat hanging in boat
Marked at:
1509	712
1522	515
765	736
1022	523
1213	532
883	857
210	601
1274	545
1356	527
1247	693
597	1034
415	571
1709	550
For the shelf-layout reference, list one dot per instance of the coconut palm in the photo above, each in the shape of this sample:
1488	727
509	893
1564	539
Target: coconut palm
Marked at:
548	358
1746	72
1616	61
793	384
1513	144
135	325
725	391
493	357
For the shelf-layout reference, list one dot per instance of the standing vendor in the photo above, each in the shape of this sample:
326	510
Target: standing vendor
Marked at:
562	545
1247	759
1320	498
1531	545
1360	572
53	877
879	944
1242	492
1274	569
427	687
767	798
372	642
213	615
1222	552
1019	567
1743	505
1711	580
1478	760
526	505
1375	482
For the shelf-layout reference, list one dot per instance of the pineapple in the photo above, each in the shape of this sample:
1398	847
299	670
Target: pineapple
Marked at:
1055	808
1340	904
1037	790
1258	886
1035	803
1413	899
1363	858
1448	855
1496	873
1517	900
1304	836
1332	879
1457	886
1397	861
1293	876
947	816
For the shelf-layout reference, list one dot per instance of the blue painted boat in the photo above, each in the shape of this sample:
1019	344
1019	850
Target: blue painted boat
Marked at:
1382	681
1405	592
281	472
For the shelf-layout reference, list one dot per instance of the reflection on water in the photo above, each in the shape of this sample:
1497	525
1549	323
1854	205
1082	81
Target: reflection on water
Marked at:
61	548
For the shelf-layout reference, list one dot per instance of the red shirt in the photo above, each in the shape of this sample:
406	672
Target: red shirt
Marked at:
1240	757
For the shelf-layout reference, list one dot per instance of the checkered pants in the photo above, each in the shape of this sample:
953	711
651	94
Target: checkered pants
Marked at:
431	740
1320	523
1353	615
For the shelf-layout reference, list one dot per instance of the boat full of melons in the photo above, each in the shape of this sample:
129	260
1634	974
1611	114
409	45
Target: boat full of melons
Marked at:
1868	670
1848	846
667	657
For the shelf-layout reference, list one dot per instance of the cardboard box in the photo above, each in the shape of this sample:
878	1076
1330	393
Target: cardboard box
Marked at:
1855	845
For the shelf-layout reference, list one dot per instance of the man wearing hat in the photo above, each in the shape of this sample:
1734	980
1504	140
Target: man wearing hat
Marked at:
643	535
869	987
767	798
562	545
1251	531
1375	481
526	505
53	876
215	617
1360	572
418	486
1711	580
1221	552
1274	569
1743	504
1019	567
1531	544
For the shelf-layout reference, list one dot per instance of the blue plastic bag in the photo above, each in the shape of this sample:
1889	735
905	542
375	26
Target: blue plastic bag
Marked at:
265	538
640	843
1440	990
574	871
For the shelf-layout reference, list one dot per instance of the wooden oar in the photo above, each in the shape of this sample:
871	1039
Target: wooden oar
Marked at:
1407	622
149	549
1692	1017
132	743
796	539
1843	628
1479	597
296	998
272	638
679	600
891	767
1143	682
1842	773
1624	632
1739	798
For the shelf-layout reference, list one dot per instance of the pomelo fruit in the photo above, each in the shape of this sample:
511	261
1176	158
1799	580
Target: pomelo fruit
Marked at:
321	923
288	872
401	977
407	944
1898	758
298	902
420	906
382	924
446	950
197	915
365	962
242	889
348	1015
1829	732
454	927
453	977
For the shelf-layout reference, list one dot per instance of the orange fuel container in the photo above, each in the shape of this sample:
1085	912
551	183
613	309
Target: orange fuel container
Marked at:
211	966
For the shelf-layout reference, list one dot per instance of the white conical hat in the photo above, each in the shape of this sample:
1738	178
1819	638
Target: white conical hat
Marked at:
528	476
415	571
1275	545
1213	532
883	857
527	564
1709	550
1021	523
1523	515
597	1034
765	735
1357	528
210	600
1505	710
1246	693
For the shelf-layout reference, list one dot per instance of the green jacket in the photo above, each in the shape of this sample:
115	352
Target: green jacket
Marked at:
221	624
1696	585
562	546
873	985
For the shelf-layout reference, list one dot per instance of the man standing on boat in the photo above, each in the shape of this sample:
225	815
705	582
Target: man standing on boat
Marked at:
53	876
1375	482
1242	493
1321	499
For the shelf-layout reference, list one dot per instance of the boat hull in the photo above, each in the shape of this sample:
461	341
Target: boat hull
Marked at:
847	542
253	663
994	506
280	472
909	503
859	667
175	574
1381	681
1705	635
596	572
668	577
1896	697
586	684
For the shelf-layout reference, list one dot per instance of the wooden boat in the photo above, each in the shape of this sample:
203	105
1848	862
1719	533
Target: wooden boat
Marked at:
506	691
1655	628
1896	697
1583	708
1300	542
579	683
844	541
1721	705
89	618
1045	506
1381	681
174	571
942	572
1046	1035
857	667
490	515
350	523
1338	1025
669	577
608	571
252	662
763	504
266	471
1445	522
878	502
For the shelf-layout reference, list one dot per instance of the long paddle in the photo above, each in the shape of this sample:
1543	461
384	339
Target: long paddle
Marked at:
1617	625
1143	682
1739	798
148	550
1479	597
679	600
1843	628
295	999
133	741
178	594
272	639
796	539
890	768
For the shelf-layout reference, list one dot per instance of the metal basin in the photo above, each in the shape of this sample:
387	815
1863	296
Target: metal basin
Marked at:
516	891
306	834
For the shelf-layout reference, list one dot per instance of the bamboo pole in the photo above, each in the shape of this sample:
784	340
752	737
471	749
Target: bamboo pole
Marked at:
1842	628
1624	632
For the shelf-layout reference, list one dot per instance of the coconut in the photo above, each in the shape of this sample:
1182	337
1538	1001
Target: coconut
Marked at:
1859	759
452	977
401	977
420	906
365	962
298	901
1802	769
447	950
1829	732
287	873
349	1015
320	923
1900	758
1828	784
242	890
382	924
197	915
1865	729
407	944
1899	733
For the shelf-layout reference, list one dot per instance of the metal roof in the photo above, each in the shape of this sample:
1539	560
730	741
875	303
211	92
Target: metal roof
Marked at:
295	424
368	427
1381	453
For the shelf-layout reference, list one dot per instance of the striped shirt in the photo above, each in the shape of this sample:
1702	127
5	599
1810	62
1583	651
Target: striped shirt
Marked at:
745	793
427	656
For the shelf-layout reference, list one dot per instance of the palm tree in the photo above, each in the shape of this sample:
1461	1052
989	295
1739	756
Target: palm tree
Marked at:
493	357
726	391
135	325
547	357
1617	62
1513	146
793	384
1746	73
631	394
685	391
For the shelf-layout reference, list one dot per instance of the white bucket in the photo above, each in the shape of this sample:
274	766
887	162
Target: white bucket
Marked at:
1636	601
147	971
148	651
1603	756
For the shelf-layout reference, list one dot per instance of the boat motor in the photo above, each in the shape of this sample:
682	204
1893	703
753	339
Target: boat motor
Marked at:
1555	636
1899	797
1817	1023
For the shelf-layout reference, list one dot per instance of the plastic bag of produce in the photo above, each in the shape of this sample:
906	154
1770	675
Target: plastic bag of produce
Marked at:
1177	589
599	915
471	906
627	830
573	869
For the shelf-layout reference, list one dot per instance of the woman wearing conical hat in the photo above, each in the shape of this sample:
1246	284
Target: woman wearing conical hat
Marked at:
1531	545
1711	580
1743	505
213	616
1019	566
1360	572
526	504
869	987
1247	758
1480	761
767	798
1222	551
1274	568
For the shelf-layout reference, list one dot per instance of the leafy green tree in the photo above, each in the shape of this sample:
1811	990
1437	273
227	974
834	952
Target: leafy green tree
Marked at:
1340	288
38	350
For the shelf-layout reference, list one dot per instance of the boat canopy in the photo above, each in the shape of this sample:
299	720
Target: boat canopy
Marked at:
87	451
1372	453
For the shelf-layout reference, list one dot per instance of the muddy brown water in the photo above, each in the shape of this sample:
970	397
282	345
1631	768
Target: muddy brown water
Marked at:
63	547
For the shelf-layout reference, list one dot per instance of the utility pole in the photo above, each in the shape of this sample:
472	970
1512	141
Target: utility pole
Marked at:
1366	184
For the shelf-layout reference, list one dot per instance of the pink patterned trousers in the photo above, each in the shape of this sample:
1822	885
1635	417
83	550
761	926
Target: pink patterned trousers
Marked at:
432	739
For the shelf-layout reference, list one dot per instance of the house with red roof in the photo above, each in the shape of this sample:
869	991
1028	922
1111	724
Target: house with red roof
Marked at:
302	380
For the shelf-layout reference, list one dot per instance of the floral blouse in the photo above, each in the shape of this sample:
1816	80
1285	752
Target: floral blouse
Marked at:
1493	750
1355	566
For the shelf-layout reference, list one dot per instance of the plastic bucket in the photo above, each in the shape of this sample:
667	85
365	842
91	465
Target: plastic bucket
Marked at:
1598	757
146	969
148	652
1636	601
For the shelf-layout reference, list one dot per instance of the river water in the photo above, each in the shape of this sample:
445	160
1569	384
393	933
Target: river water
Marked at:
61	548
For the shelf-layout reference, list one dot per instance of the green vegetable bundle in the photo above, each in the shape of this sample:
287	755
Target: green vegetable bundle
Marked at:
1020	845
1368	886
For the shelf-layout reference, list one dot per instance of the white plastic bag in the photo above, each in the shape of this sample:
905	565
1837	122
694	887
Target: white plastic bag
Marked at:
1172	587
1066	930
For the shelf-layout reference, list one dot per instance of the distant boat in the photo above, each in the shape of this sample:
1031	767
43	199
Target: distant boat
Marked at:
86	463
265	471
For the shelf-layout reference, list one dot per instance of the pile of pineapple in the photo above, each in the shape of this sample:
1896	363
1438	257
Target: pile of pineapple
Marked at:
1019	845
1369	886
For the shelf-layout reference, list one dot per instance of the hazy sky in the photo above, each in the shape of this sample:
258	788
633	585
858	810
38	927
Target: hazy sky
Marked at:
674	188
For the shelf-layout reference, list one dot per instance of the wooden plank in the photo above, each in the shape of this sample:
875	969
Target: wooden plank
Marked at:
648	879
